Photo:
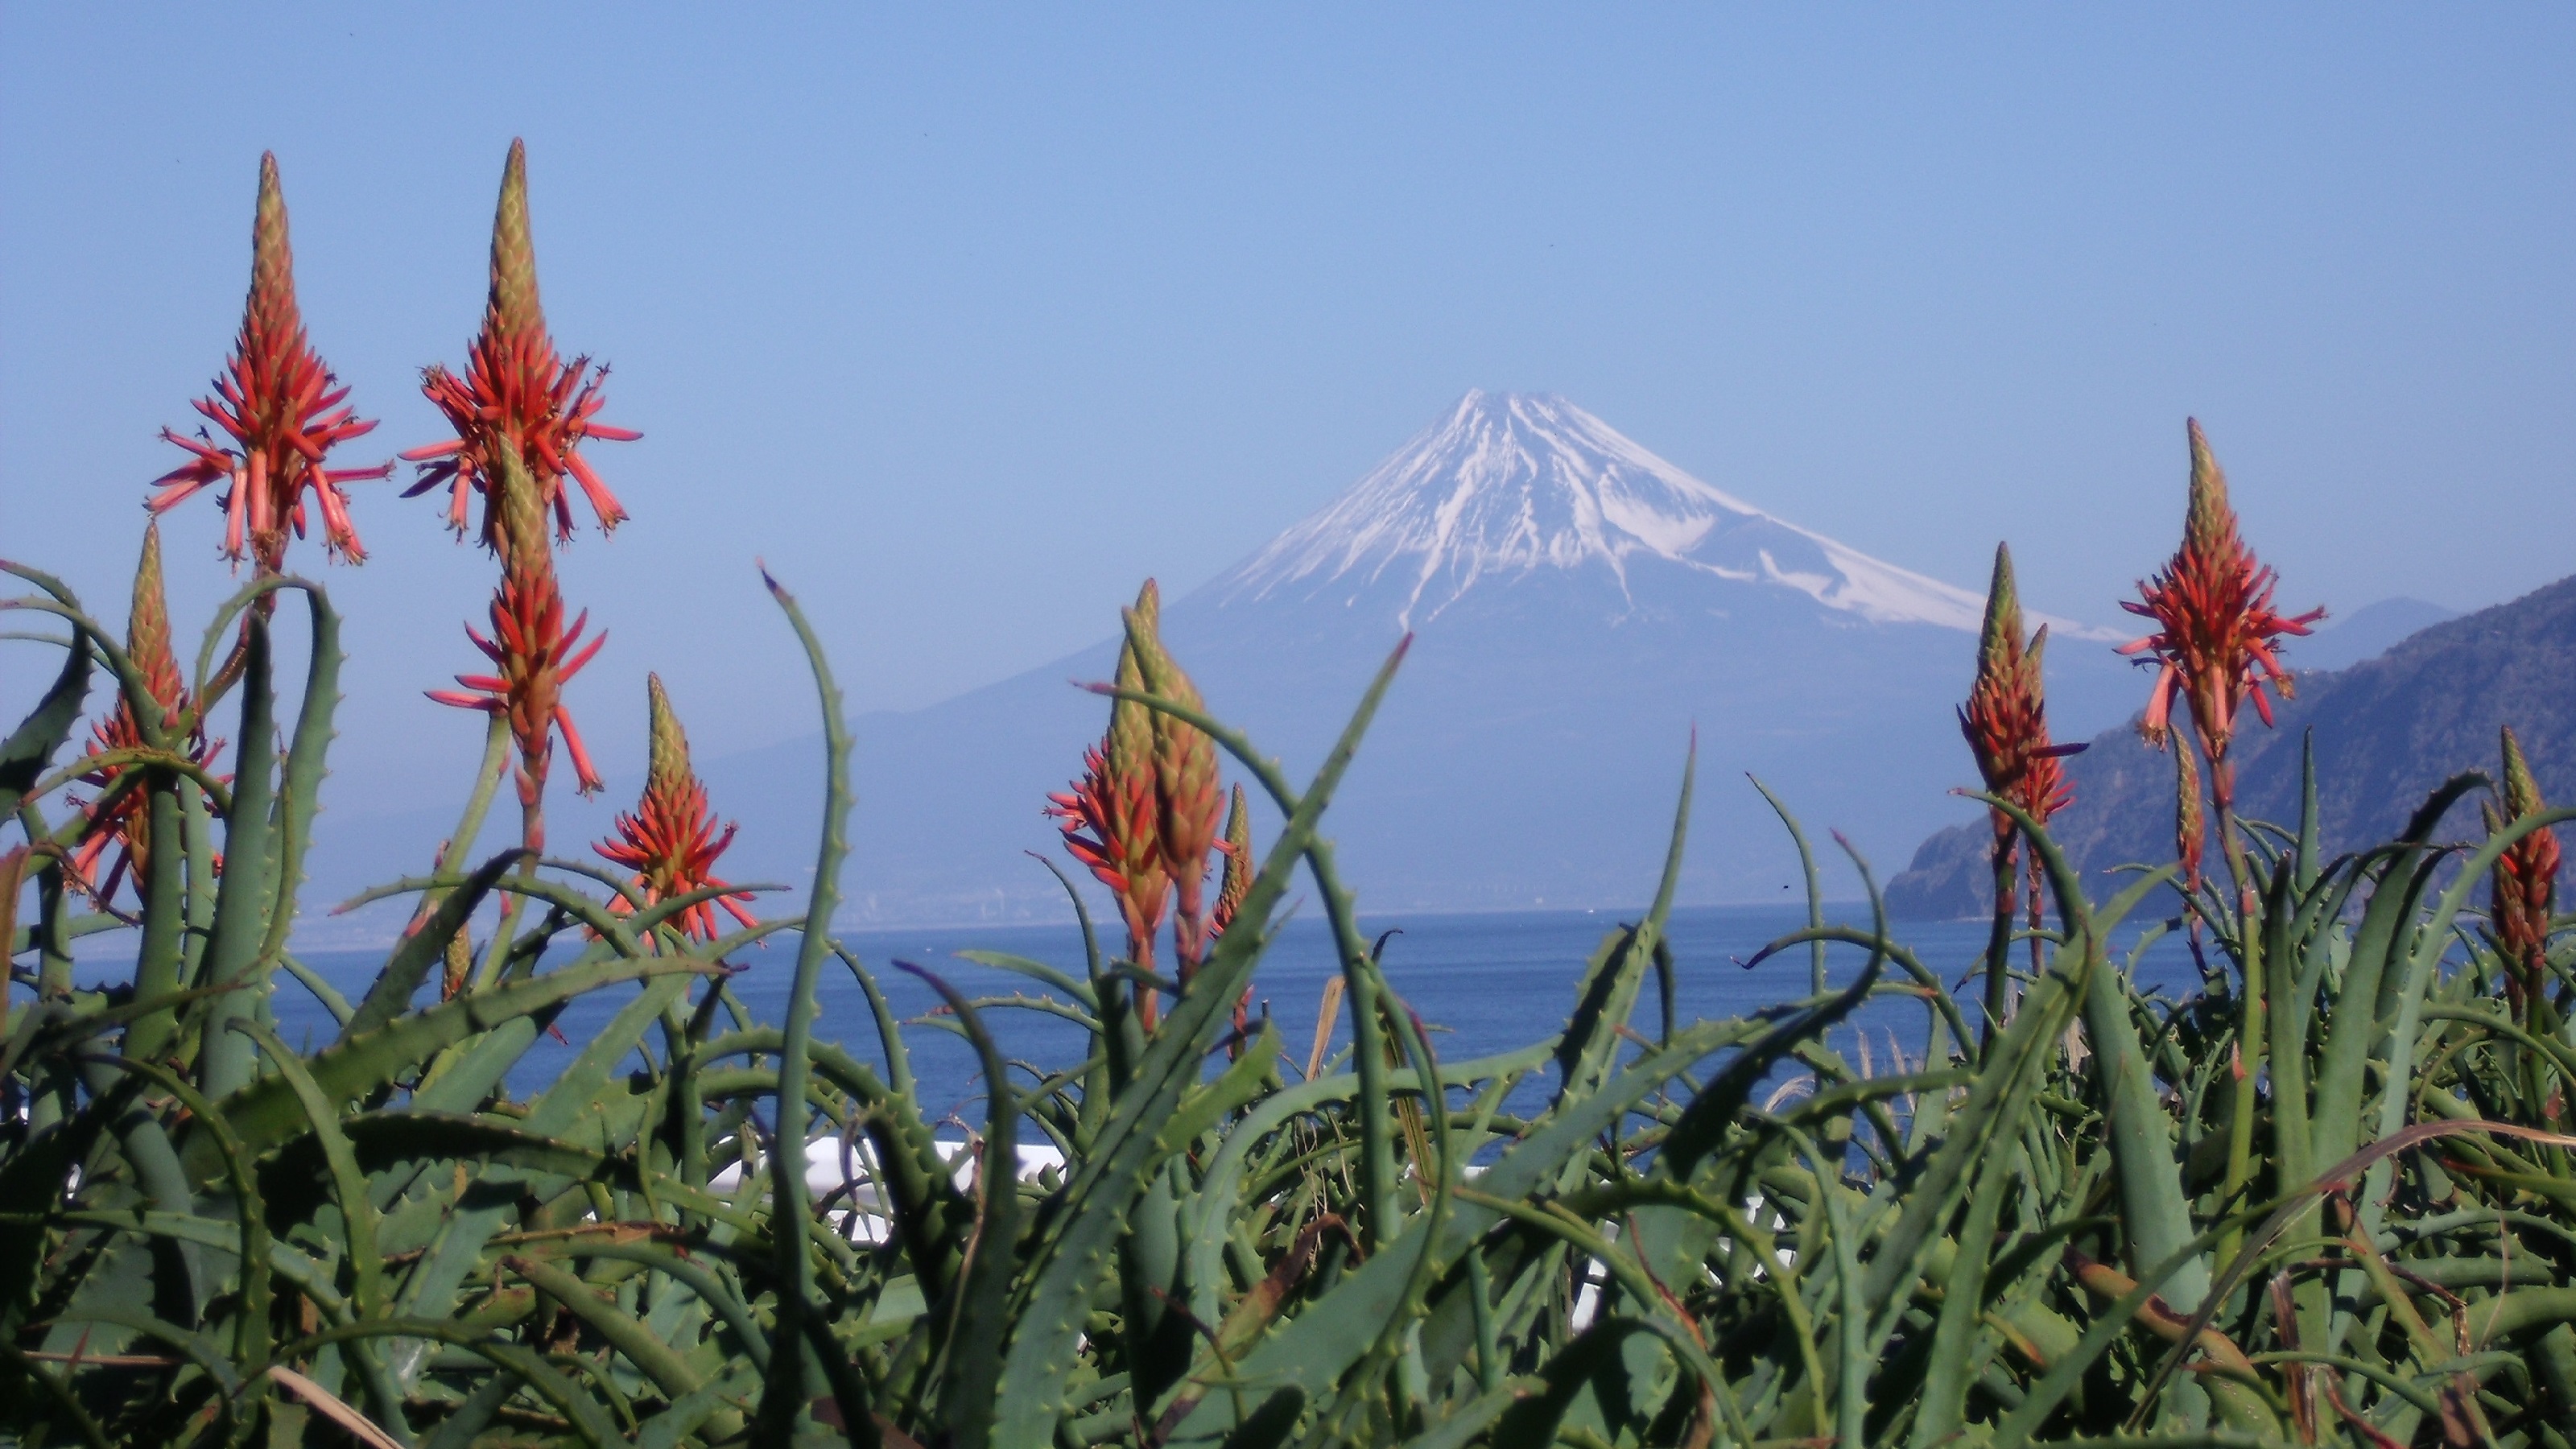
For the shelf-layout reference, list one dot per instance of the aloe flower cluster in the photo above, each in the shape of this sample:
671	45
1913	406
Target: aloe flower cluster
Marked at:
2216	642
1148	811
671	841
518	397
2005	720
123	821
2523	885
282	413
520	414
2006	716
2216	646
1110	819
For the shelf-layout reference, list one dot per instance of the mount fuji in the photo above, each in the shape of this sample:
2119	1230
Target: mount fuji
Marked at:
1507	487
1580	608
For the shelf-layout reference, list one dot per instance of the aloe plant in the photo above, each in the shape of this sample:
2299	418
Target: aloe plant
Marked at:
2326	1199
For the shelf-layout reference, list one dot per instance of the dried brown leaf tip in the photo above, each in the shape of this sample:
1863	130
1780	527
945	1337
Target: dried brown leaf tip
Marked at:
281	413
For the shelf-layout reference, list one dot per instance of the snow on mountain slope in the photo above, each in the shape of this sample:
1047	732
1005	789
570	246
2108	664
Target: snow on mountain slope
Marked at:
1509	484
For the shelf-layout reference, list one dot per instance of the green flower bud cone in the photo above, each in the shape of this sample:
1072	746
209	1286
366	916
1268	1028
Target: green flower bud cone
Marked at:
670	770
514	307
147	625
1185	772
1131	725
2521	791
2001	639
272	309
2211	523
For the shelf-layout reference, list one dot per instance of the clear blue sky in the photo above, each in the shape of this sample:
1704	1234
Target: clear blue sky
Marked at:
967	322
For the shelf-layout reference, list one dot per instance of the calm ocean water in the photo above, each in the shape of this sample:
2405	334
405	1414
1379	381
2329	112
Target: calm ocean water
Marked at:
1485	983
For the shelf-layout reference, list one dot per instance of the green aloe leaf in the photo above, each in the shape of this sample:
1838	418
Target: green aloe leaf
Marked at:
974	1352
1320	1344
266	1113
784	1396
31	746
423	950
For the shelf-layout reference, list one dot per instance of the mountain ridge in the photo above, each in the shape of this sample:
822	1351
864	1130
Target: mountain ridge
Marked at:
2387	730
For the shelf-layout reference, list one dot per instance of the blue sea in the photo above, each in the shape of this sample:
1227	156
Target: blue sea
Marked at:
1484	984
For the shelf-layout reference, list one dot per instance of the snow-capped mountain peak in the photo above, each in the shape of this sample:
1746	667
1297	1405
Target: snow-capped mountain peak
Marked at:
1508	484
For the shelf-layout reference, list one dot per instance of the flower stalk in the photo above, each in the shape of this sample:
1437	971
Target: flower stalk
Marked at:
1149	811
2216	649
520	414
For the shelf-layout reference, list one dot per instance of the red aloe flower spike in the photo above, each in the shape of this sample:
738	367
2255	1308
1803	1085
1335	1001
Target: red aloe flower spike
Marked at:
2216	640
2523	885
671	841
534	654
126	823
2006	723
278	403
2006	716
1236	883
2216	628
1111	820
517	396
1187	798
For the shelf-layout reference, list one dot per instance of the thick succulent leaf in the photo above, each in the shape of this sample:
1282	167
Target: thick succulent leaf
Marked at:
266	1113
31	746
423	950
1322	1342
784	1396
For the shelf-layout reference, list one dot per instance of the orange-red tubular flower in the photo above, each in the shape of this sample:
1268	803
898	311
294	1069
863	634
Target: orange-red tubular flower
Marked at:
125	823
2524	884
517	393
534	655
277	404
671	841
2216	630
